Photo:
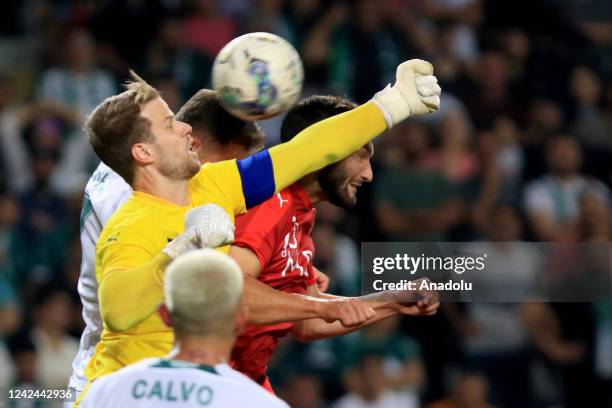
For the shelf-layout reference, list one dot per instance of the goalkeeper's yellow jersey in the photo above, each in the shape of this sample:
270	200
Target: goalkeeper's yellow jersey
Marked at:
137	232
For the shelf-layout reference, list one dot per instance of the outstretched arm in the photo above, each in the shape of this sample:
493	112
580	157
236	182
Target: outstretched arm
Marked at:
385	304
415	92
269	306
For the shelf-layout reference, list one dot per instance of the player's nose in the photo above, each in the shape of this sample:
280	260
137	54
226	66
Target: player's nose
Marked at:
367	175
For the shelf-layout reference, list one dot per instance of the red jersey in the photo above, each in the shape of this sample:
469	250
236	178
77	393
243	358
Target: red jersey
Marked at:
278	232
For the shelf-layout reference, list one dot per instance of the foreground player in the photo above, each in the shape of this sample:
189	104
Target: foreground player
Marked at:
217	136
206	320
137	135
275	251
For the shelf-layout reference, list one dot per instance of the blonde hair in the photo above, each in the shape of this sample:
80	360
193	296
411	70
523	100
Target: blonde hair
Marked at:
116	124
203	289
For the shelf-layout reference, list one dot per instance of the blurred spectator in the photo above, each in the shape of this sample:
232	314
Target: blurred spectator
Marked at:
171	59
363	53
8	123
491	95
402	214
55	348
367	388
50	131
302	15
564	334
590	125
551	201
25	360
206	29
268	17
603	349
10	319
337	254
44	222
469	390
509	157
595	220
303	391
544	120
79	83
500	162
12	247
454	158
123	30
401	368
462	18
493	335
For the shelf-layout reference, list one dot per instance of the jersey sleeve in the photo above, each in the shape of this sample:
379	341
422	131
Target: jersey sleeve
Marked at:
130	279
258	229
240	184
123	250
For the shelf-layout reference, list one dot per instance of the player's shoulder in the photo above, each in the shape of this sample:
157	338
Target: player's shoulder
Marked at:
106	191
214	170
103	175
133	219
280	204
274	211
249	388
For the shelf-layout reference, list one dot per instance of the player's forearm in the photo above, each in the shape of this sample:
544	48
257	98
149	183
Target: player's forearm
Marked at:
324	143
317	329
128	297
270	306
377	301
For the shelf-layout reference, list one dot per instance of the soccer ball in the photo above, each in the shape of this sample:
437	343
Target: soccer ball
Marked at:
257	75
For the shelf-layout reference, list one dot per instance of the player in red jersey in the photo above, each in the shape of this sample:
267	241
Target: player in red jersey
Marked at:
274	248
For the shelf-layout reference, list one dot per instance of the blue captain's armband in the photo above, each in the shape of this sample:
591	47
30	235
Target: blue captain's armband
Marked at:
257	177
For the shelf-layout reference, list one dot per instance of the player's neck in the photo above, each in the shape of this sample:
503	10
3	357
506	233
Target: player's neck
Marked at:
312	188
153	183
207	350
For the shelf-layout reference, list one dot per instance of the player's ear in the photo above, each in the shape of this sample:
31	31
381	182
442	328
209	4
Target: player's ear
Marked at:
196	143
142	153
163	312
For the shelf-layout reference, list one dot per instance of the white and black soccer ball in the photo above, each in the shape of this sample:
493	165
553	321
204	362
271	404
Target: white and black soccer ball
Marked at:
257	76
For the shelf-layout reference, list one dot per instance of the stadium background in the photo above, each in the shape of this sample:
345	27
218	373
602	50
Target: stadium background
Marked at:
515	76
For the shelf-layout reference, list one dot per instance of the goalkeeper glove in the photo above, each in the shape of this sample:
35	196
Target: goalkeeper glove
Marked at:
415	92
205	226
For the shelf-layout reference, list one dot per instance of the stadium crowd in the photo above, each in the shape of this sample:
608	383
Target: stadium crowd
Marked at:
527	101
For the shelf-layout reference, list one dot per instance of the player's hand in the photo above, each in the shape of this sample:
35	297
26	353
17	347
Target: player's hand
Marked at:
415	92
205	226
322	281
213	225
418	302
350	311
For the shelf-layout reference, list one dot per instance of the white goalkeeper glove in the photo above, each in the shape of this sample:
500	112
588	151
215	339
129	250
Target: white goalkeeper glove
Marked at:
415	92
206	226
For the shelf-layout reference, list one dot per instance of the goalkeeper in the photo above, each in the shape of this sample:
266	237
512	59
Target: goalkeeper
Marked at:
136	135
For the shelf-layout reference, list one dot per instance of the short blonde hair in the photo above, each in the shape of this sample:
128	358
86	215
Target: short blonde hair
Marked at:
203	289
116	124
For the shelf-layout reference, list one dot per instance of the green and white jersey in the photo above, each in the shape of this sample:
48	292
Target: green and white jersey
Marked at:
105	192
156	383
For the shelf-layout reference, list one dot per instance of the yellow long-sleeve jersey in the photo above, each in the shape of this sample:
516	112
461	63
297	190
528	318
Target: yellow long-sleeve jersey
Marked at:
129	261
